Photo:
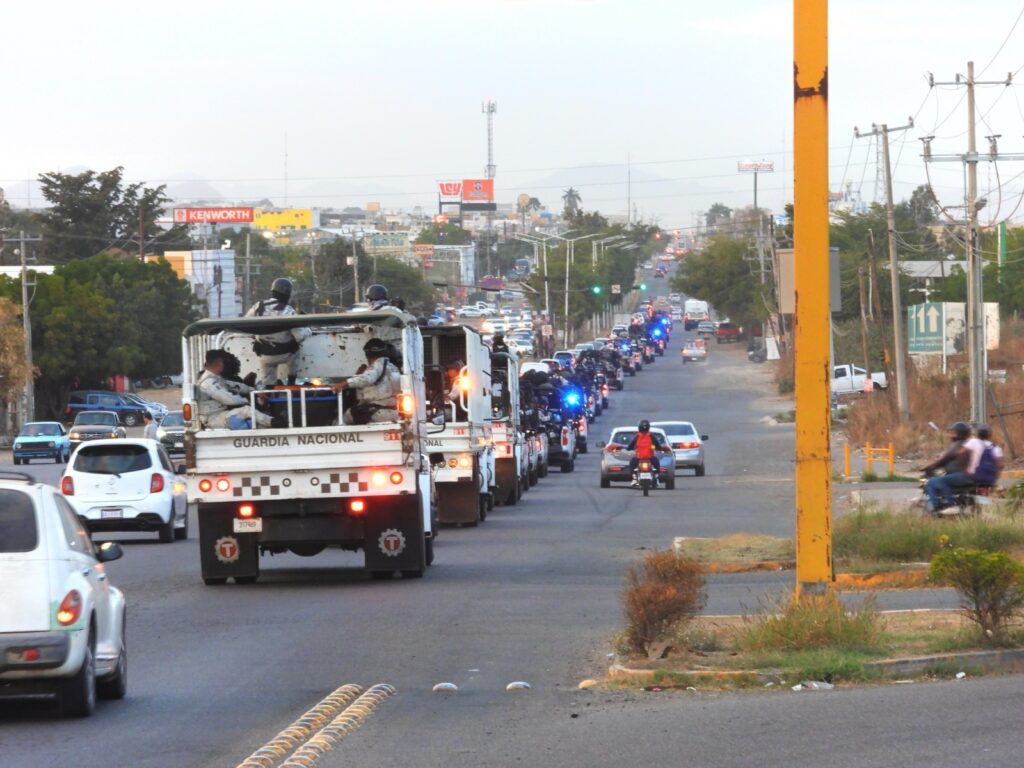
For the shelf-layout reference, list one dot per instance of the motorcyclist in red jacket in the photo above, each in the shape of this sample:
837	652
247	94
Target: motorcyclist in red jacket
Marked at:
645	444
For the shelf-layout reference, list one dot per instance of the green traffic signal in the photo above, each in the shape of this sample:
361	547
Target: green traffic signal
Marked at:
596	289
643	286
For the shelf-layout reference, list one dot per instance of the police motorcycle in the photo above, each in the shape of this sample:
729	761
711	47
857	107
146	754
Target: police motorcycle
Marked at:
574	410
559	425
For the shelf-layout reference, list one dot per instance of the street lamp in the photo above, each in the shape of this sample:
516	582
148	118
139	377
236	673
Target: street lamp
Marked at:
569	257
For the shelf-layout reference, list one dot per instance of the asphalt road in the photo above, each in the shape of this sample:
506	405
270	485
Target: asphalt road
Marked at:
530	595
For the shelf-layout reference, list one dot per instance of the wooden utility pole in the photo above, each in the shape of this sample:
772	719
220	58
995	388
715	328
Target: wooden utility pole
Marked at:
864	322
812	321
899	361
977	357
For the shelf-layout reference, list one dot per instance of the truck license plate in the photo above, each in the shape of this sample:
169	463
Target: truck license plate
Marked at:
252	525
111	512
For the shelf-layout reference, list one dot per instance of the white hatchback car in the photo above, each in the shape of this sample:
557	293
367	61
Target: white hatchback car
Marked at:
127	485
61	621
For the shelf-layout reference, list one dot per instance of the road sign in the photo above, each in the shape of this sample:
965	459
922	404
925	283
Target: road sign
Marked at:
616	289
213	215
925	328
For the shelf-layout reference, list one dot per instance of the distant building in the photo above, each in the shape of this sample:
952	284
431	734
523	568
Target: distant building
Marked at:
286	220
211	275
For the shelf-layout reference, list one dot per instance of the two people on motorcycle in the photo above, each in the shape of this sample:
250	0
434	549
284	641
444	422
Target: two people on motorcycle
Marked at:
967	462
645	445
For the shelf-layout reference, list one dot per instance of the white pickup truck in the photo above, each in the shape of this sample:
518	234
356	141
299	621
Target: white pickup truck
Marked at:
849	379
313	482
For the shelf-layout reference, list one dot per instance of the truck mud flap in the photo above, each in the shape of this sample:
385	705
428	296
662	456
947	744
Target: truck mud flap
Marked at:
223	553
507	482
458	503
395	538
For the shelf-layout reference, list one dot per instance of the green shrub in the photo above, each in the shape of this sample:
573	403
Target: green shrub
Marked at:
661	592
882	535
812	623
991	585
786	385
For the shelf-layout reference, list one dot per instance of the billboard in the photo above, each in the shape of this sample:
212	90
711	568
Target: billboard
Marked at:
213	215
478	190
755	166
449	191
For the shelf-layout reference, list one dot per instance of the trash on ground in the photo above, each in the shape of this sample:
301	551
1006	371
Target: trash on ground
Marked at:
961	675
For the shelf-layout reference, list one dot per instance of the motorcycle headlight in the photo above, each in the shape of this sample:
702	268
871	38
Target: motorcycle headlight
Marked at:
161	433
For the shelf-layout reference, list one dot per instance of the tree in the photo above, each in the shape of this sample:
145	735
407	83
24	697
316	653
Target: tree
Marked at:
571	203
92	212
446	234
94	318
721	275
717	217
406	282
14	369
531	204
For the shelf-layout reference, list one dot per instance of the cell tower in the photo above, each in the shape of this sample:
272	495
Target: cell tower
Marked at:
489	108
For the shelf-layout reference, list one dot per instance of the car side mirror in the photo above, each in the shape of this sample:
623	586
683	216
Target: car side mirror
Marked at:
601	444
180	469
704	437
108	551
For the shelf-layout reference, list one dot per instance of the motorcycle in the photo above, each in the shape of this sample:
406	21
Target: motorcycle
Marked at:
647	475
969	500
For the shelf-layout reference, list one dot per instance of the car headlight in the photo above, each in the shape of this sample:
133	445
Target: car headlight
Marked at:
112	434
161	433
18	446
74	435
49	445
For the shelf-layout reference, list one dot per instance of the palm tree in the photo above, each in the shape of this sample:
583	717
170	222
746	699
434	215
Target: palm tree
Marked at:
571	200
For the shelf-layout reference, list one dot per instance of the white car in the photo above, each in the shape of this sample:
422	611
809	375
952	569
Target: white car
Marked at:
686	442
61	621
156	410
127	485
470	312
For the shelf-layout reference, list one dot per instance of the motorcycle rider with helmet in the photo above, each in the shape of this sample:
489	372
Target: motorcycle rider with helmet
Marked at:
953	461
644	444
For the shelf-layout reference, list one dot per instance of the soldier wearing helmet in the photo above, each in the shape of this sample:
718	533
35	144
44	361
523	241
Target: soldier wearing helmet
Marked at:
277	350
377	296
379	385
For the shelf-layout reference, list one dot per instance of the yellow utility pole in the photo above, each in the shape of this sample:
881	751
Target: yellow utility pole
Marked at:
812	320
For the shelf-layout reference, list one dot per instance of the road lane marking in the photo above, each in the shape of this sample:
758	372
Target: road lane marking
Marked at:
350	719
275	749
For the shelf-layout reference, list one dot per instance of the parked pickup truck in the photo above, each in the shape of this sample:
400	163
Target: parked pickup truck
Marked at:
849	379
727	332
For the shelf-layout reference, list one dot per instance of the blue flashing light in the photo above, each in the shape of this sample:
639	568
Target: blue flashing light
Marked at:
656	333
573	397
664	320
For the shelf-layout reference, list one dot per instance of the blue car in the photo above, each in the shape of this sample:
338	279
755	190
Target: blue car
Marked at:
42	440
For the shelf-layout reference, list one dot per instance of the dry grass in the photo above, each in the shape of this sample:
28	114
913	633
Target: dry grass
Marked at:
812	623
661	592
941	400
741	549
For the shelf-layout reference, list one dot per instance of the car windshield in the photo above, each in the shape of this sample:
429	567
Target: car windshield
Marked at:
39	430
112	459
623	438
18	531
678	428
96	417
173	419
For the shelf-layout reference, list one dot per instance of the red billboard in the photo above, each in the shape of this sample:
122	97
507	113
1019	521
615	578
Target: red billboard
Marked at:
478	190
213	215
449	191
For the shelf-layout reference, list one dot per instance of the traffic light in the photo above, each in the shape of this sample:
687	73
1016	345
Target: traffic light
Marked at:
596	290
643	286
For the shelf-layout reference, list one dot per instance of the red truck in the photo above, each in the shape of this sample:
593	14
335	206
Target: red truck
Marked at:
727	332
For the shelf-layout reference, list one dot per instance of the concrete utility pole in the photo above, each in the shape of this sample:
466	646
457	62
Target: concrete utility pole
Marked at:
899	342
29	412
977	357
248	270
489	108
812	320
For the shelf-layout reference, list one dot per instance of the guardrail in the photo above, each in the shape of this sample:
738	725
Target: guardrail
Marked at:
871	454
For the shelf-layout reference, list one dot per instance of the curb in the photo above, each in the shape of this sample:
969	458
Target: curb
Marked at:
618	672
1009	660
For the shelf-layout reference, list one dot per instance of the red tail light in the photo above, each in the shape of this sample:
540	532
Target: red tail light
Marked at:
205	485
156	483
604	389
357	506
688	445
645	466
565	437
245	511
67	486
396	478
70	608
223	484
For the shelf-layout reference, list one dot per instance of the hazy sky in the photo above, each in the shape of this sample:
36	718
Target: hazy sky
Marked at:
378	100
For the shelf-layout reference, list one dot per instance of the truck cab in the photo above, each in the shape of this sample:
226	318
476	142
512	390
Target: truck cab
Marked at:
460	432
315	482
510	457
